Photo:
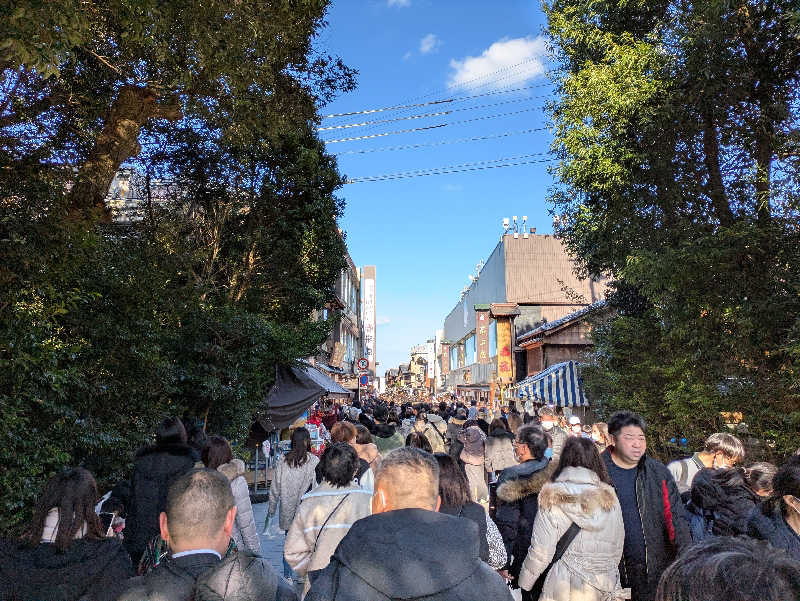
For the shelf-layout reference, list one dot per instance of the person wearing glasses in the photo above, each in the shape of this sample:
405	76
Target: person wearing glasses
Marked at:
517	497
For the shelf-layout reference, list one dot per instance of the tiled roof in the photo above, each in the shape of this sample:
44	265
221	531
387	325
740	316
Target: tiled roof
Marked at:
552	325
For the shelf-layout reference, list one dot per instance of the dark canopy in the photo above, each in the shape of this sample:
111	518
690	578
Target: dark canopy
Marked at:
296	388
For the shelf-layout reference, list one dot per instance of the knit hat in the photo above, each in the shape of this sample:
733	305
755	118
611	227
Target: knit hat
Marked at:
473	439
461	414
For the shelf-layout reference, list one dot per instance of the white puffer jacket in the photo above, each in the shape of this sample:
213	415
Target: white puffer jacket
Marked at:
244	529
588	571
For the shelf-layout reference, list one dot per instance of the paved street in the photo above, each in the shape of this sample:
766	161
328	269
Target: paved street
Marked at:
271	548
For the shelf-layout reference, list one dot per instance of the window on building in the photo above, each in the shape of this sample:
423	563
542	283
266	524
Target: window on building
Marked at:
493	338
453	357
470	356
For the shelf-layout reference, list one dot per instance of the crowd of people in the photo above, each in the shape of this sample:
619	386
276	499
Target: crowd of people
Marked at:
424	501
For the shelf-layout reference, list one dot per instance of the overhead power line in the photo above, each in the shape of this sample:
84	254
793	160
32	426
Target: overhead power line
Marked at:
441	142
472	85
415	129
423	115
433	102
523	159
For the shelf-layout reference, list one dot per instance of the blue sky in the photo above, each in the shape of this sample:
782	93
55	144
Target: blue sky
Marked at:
426	234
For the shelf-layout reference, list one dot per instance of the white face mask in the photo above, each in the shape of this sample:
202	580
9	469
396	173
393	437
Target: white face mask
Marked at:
720	465
547	425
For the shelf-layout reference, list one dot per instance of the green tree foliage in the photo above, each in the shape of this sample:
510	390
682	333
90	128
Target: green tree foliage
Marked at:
677	126
233	245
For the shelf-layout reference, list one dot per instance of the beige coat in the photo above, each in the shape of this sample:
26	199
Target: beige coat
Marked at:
307	528
588	571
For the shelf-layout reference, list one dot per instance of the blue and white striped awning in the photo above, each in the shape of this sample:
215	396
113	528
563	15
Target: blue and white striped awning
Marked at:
560	385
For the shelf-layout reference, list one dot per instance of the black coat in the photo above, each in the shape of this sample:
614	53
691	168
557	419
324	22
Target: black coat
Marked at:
774	529
476	513
409	554
665	524
204	577
728	507
517	505
90	570
154	470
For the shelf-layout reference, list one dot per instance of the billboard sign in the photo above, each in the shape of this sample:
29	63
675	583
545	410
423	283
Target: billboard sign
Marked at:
369	321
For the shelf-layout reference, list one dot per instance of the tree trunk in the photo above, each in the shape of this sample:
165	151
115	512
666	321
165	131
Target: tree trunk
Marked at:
715	188
118	141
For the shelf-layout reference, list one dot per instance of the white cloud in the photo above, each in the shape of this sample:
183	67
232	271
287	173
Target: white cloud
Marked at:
429	43
382	321
400	3
407	55
502	60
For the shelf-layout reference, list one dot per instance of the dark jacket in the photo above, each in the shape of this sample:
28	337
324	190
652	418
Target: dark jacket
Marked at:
664	521
774	529
386	438
409	554
721	510
154	470
517	504
90	570
476	513
204	577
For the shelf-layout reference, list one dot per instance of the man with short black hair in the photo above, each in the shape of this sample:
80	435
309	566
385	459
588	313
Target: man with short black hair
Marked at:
406	549
197	525
721	450
656	526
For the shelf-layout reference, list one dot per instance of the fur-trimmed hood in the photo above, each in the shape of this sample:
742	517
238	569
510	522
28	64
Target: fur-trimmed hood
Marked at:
580	494
517	488
233	469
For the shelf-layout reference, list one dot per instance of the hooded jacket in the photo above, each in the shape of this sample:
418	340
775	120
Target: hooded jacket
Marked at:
323	518
387	438
90	570
665	525
155	468
499	452
589	568
244	529
204	577
517	504
408	554
725	509
774	529
288	486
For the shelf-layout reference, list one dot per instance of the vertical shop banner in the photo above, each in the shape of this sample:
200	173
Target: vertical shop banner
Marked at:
505	372
430	352
369	322
445	359
482	336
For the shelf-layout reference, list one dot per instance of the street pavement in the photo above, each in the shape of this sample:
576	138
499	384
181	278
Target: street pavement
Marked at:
271	548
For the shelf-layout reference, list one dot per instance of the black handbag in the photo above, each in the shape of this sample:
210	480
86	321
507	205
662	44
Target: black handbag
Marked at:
561	547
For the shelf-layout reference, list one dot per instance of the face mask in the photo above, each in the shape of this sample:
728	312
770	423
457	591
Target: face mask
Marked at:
577	429
548	453
547	425
720	465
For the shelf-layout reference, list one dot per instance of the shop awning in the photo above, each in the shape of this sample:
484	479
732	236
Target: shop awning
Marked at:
560	385
296	388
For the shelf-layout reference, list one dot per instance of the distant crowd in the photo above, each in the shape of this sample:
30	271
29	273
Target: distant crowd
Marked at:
423	501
